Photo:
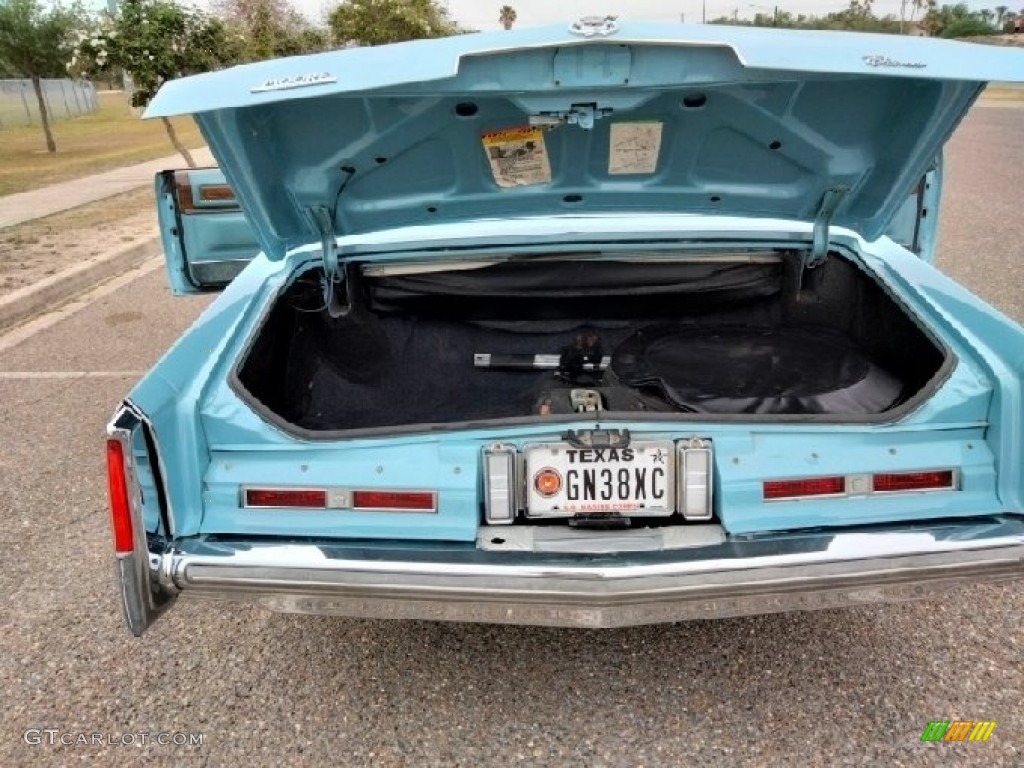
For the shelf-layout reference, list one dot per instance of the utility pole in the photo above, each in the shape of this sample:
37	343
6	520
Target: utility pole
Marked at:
775	12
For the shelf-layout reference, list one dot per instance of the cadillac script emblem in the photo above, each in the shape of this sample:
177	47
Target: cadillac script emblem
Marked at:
594	26
885	61
298	81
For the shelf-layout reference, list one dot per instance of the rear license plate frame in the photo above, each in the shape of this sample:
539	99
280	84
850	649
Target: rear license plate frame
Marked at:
555	455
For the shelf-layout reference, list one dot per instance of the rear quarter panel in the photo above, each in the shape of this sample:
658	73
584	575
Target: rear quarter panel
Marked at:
170	393
996	343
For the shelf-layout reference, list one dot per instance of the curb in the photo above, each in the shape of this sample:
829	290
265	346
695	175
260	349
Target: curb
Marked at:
54	290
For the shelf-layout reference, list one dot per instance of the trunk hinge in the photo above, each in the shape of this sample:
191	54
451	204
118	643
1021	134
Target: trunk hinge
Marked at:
822	221
333	275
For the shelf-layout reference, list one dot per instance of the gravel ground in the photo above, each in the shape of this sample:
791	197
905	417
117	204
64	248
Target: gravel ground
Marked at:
35	249
849	687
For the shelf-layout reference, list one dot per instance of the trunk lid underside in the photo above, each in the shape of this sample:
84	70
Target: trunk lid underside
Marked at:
711	120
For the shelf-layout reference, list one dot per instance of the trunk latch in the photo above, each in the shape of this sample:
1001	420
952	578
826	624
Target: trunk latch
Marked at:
583	115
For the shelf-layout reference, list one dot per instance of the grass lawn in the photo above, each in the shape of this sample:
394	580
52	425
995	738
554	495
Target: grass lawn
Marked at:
109	138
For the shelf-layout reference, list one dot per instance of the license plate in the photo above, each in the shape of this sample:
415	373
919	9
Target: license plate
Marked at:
562	481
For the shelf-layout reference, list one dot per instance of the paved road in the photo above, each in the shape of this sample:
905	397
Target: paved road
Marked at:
843	687
23	206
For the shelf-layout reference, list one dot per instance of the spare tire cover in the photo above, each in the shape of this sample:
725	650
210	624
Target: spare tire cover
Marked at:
739	369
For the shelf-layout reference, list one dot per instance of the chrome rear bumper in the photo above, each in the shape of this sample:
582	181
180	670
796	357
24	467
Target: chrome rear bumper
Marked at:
462	583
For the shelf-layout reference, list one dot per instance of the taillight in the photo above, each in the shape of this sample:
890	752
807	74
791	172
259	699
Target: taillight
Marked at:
286	497
861	485
396	501
367	500
914	481
120	505
810	486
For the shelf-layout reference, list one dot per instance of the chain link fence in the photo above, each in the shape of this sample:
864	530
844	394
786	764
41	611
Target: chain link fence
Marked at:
64	98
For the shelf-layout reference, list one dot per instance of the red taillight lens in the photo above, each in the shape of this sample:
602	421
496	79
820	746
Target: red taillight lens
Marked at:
120	508
812	486
914	481
416	501
293	497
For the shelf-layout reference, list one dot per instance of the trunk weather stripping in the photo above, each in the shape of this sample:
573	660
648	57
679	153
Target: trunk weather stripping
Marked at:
888	418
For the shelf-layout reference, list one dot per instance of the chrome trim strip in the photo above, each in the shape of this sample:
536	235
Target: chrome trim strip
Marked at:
738	577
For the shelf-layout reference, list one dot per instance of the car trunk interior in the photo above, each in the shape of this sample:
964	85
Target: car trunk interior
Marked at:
748	335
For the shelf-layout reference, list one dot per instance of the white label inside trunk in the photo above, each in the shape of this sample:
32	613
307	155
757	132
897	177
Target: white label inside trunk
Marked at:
634	147
518	157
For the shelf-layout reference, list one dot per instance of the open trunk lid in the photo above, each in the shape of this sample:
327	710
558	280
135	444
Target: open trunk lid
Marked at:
594	118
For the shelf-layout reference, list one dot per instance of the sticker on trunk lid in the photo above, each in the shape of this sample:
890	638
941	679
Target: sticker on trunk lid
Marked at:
634	147
518	157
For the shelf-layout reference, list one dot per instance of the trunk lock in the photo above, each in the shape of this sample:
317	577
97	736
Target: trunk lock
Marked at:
597	438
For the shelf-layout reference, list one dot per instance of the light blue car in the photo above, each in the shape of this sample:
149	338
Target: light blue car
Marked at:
593	325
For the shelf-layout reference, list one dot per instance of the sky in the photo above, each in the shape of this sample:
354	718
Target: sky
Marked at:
484	15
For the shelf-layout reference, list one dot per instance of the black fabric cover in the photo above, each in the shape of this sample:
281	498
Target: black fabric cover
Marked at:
741	369
573	289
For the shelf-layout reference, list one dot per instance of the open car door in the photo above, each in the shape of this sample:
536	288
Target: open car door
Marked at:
206	238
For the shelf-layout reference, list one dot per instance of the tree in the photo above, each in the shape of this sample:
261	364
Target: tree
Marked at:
1001	11
956	21
269	28
377	22
972	26
507	17
36	43
156	41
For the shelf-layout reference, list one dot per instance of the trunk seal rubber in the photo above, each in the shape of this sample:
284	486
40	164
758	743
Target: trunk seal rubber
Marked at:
889	417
